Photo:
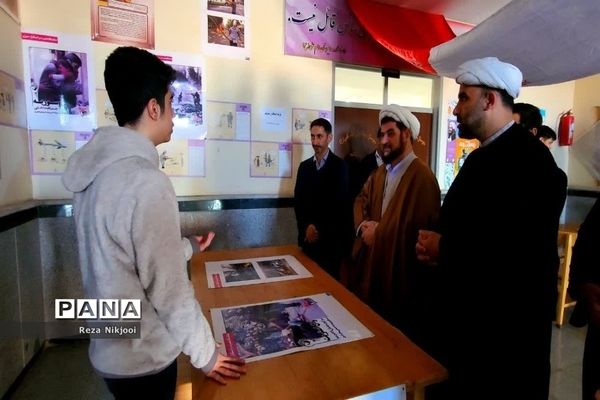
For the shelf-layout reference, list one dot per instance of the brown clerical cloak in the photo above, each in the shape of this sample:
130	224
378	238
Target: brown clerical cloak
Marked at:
387	276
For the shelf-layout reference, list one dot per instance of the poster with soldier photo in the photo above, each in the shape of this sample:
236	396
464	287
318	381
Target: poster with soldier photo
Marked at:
260	331
255	270
189	103
57	76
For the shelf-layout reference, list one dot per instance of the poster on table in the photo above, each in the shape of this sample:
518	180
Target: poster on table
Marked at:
50	150
12	99
182	157
123	22
253	271
58	72
301	120
271	160
228	121
189	103
266	330
227	28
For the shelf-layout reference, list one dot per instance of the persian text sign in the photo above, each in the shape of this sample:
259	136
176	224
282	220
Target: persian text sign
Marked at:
327	29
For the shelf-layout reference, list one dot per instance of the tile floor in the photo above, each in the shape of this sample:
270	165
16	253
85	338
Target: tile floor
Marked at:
63	372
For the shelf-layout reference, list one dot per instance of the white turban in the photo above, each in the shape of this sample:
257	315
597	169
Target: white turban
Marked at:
490	72
403	116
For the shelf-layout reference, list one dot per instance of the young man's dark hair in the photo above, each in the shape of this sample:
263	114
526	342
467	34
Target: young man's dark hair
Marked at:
132	77
530	115
322	122
545	132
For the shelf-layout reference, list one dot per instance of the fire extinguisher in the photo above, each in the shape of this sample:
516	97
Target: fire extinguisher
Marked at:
566	127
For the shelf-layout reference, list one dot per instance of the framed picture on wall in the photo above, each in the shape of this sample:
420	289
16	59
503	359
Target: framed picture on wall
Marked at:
125	22
12	8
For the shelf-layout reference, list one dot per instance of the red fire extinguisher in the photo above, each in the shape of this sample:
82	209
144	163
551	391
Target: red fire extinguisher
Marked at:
566	127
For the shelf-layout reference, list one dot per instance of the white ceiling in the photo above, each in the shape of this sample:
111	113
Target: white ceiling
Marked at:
469	11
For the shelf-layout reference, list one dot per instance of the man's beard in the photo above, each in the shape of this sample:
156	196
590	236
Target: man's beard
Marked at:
471	127
465	132
392	155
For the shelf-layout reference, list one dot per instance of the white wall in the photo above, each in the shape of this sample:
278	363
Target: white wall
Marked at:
555	99
586	109
15	179
268	79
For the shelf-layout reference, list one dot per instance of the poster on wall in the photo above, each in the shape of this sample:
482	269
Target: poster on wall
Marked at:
124	22
11	7
227	29
327	29
274	120
266	330
457	148
189	103
106	113
57	72
182	157
271	160
228	121
301	120
50	150
12	96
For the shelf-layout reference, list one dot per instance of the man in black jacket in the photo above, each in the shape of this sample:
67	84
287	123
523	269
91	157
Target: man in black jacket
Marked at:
497	246
584	286
322	202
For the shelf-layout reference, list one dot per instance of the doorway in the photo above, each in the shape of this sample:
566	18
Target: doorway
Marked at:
356	133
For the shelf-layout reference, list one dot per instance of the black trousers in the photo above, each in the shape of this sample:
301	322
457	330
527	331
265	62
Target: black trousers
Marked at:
160	386
591	363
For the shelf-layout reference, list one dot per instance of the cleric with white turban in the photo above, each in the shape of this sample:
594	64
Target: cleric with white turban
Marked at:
490	72
402	115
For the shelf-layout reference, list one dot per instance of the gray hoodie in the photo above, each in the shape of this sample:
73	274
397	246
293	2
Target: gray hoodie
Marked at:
130	247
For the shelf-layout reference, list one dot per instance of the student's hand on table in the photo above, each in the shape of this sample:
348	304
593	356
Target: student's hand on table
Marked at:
204	242
428	247
227	367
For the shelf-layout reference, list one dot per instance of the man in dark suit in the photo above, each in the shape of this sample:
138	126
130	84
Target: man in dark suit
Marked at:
322	203
496	245
584	286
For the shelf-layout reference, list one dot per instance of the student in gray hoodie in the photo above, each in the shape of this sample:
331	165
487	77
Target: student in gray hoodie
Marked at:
130	244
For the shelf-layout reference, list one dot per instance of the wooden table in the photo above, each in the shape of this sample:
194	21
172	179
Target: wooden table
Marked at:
567	234
337	372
